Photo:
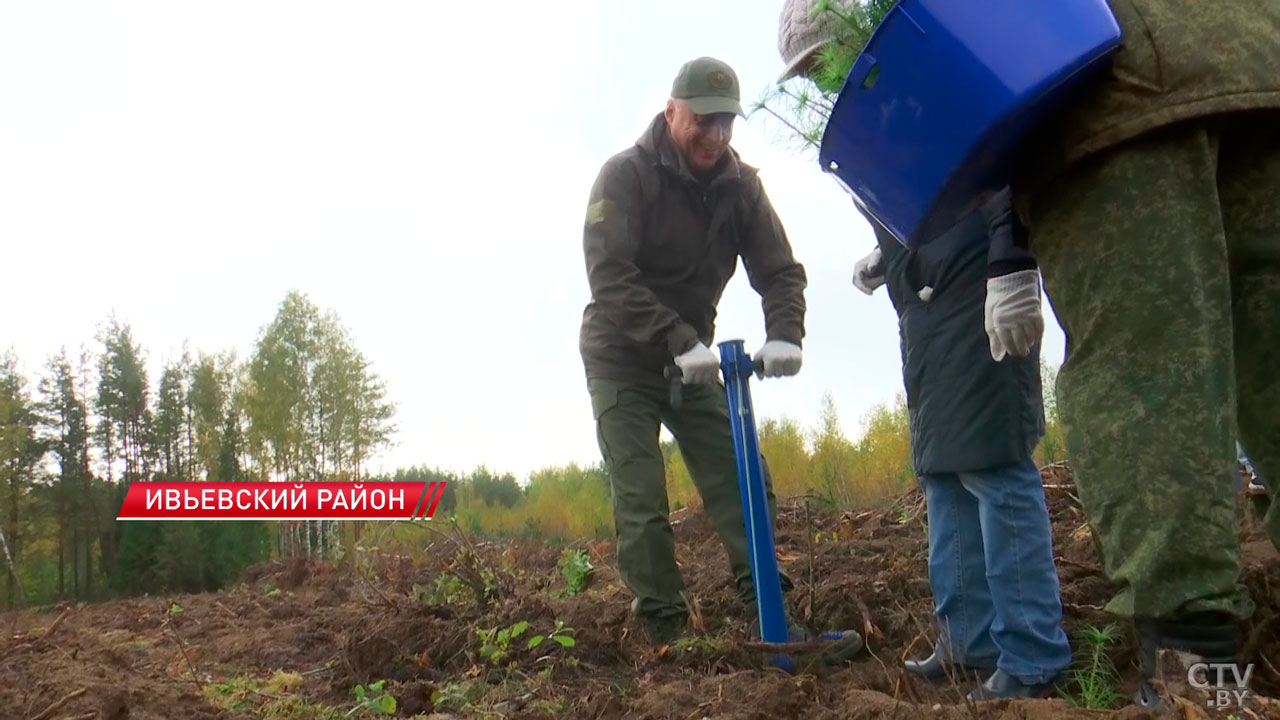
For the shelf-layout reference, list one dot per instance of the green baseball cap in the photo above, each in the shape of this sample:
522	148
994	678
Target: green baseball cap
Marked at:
709	86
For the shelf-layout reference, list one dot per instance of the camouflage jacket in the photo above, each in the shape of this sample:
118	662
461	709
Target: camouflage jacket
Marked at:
1180	59
660	248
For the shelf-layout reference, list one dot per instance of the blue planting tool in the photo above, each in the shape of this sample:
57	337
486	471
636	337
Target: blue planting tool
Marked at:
836	646
736	367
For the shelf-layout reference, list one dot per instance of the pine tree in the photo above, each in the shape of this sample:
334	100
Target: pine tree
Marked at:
804	104
65	427
170	426
125	425
20	453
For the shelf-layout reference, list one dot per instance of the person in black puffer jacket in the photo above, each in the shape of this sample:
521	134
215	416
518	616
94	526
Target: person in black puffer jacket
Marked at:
975	423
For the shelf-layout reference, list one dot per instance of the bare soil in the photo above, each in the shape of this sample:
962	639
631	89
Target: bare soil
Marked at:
296	638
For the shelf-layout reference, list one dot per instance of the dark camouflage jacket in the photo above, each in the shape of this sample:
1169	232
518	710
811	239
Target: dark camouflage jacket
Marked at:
1180	59
661	246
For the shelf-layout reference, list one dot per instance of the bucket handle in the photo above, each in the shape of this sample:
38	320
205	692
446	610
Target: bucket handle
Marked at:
865	71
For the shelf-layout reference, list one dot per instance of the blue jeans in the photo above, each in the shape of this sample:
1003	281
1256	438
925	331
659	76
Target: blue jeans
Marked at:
995	588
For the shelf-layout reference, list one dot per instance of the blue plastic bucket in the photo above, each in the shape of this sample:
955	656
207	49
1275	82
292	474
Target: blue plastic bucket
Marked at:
934	106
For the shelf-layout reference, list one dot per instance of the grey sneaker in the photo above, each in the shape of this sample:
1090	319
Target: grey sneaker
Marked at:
843	646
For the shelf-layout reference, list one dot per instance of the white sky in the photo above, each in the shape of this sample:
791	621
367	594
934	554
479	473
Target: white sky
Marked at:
421	168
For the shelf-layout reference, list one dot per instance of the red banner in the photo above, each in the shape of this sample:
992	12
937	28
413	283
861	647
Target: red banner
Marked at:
281	501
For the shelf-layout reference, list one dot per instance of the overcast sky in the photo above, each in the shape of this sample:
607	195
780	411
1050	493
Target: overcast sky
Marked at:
420	168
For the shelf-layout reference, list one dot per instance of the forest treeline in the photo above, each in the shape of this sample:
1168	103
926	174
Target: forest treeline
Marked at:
305	406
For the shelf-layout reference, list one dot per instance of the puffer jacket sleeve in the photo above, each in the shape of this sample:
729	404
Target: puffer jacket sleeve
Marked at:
611	240
1009	251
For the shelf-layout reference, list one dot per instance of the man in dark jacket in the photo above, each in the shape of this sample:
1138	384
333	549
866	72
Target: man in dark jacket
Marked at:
975	422
667	221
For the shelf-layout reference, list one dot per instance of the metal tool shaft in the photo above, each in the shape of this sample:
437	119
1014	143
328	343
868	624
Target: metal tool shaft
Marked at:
736	367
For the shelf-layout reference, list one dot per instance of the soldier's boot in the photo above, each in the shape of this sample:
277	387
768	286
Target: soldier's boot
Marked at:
1168	650
1148	647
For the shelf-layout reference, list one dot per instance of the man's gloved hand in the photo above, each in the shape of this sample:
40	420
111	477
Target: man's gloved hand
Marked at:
868	273
779	358
1013	320
698	365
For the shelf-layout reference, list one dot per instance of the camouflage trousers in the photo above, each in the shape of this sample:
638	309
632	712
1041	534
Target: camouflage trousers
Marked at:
628	418
1161	259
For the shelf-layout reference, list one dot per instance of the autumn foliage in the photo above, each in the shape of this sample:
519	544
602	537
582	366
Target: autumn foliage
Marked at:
866	468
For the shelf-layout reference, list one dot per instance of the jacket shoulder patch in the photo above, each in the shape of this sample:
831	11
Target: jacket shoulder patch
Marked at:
600	211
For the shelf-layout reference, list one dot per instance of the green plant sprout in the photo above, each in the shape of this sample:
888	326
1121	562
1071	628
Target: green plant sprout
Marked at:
495	643
804	104
576	567
561	634
1094	685
374	699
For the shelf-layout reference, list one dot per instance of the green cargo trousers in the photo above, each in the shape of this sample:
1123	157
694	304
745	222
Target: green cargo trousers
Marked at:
1161	257
628	418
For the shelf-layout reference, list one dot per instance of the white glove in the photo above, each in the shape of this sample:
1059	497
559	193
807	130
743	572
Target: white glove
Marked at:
868	273
779	358
699	365
1013	318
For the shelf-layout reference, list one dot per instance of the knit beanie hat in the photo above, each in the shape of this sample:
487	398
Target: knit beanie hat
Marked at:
801	35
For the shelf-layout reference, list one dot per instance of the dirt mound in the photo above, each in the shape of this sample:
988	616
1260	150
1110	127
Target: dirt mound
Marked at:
493	630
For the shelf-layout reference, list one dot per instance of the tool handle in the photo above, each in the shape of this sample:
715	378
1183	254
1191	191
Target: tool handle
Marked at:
751	366
675	380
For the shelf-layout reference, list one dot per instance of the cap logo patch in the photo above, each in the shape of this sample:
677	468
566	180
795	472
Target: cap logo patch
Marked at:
719	80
